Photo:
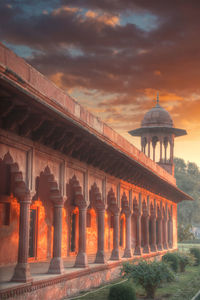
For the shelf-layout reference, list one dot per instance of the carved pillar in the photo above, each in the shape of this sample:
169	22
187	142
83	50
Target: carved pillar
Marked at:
115	251
127	251
160	239
56	264
137	250
170	232
146	237
165	244
81	259
100	256
22	269
153	233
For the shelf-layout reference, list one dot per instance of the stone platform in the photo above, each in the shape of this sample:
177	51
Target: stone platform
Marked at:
71	282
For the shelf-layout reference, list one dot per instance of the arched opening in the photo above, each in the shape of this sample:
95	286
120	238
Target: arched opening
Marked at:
157	226
9	211
42	218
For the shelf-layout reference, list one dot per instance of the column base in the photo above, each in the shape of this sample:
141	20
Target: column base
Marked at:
165	246
56	266
137	250
81	260
153	248
100	257
114	254
160	248
146	249
22	273
127	253
170	245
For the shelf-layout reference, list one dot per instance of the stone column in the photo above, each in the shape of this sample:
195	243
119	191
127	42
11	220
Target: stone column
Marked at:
56	264
146	240
138	237
153	233
115	251
100	256
22	269
160	239
127	251
171	151
81	259
165	244
170	232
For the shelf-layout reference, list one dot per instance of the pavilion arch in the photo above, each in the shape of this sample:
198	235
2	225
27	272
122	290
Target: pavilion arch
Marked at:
42	218
76	209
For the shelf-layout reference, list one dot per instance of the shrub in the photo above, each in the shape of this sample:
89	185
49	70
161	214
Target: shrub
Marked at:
148	274
172	260
122	292
184	260
196	252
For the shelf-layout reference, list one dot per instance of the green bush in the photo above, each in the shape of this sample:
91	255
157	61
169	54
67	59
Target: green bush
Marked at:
196	252
172	260
148	274
184	260
122	292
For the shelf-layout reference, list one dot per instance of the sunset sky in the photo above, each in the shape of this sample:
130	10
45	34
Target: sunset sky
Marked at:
113	56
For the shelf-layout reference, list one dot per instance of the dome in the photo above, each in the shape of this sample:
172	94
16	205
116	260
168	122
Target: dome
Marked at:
157	117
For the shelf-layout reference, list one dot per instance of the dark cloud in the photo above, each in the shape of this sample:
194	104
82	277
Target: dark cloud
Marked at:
85	45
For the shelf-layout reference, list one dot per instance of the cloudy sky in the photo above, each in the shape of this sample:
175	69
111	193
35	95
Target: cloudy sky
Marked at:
114	55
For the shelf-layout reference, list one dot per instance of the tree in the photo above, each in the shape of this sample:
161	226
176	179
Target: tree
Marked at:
188	179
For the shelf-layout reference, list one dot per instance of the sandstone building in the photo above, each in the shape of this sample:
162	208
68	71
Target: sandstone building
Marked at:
76	198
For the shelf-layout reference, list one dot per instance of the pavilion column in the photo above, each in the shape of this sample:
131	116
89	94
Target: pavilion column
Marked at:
22	269
161	150
56	264
153	233
138	235
149	147
160	239
115	251
171	151
81	259
100	256
146	237
127	251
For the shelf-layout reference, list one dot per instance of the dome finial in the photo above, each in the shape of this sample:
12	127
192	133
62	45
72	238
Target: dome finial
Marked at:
157	101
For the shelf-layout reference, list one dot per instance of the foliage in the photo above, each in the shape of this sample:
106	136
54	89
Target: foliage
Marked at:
122	292
172	260
185	233
188	179
148	274
196	252
184	260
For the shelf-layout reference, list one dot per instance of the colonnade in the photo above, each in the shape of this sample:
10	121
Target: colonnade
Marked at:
154	227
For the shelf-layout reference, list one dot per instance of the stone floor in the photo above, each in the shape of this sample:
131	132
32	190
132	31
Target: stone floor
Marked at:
39	270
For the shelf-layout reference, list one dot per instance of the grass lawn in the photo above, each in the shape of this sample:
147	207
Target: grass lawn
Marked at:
186	247
184	287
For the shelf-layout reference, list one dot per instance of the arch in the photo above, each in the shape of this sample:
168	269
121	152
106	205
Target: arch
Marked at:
42	225
143	229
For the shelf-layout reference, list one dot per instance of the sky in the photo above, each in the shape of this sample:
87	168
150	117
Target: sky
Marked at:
113	56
